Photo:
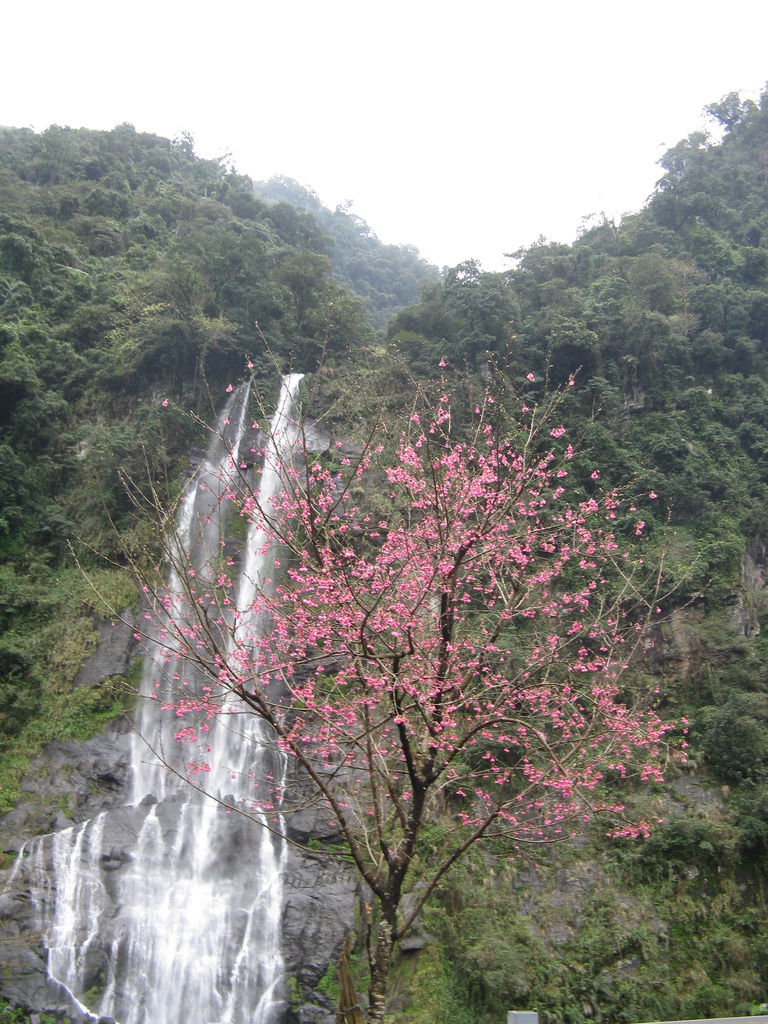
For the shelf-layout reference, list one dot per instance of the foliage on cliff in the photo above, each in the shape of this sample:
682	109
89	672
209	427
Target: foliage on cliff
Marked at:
664	318
130	271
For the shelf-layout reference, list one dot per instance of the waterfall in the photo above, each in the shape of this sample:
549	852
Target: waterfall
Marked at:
185	929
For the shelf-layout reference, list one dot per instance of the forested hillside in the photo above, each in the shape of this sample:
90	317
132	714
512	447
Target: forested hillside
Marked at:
132	271
384	277
664	319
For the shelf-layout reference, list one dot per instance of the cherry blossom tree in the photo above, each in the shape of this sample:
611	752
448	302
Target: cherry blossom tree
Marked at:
440	635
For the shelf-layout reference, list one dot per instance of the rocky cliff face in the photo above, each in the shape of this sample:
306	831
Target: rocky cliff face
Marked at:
68	784
73	783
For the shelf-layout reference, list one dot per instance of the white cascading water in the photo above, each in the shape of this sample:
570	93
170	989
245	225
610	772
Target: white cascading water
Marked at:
188	931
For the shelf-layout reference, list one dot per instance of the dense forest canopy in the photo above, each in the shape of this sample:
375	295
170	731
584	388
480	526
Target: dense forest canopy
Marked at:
385	277
132	271
664	317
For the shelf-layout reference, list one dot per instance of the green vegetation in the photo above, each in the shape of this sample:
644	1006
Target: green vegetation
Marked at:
131	271
663	319
48	630
658	930
12	1015
384	277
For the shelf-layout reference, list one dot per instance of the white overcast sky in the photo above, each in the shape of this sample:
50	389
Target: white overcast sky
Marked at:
466	129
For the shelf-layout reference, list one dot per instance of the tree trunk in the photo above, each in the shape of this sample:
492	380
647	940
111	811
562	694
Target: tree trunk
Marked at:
381	958
349	1006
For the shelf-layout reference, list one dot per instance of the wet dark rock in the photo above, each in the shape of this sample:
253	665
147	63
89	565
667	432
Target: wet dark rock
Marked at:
66	785
115	859
113	656
74	782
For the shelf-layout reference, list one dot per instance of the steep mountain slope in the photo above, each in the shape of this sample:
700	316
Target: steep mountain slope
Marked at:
130	272
384	277
663	320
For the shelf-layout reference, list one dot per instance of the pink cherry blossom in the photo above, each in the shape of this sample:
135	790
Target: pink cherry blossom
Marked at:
442	628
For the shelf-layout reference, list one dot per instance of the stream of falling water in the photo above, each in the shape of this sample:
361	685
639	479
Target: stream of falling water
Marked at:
188	930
